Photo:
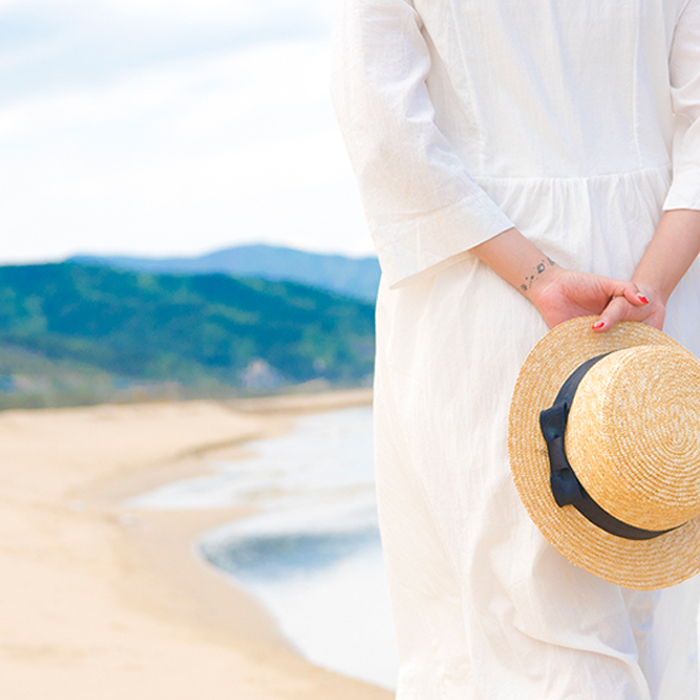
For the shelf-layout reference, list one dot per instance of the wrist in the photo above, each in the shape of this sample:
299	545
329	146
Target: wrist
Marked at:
516	259
536	286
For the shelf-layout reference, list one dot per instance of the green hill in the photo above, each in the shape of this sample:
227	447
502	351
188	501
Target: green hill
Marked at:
200	330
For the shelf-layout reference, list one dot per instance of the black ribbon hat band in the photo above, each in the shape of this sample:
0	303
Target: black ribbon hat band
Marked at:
566	488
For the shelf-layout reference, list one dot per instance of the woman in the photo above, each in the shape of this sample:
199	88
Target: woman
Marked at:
521	164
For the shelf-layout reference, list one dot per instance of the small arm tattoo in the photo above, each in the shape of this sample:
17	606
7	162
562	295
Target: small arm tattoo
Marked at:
536	272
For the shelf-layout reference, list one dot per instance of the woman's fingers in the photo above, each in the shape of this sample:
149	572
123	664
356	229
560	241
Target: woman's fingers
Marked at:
570	294
650	311
629	291
615	311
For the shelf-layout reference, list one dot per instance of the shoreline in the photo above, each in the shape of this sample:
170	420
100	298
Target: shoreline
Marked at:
112	602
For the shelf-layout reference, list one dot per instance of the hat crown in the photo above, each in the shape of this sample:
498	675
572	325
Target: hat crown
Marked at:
633	435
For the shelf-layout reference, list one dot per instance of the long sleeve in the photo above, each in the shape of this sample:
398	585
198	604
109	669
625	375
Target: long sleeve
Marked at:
423	207
684	68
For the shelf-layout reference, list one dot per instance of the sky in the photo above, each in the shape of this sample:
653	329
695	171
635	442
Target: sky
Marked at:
170	127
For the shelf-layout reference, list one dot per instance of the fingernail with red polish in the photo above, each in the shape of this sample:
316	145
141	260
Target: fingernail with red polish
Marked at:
598	324
642	298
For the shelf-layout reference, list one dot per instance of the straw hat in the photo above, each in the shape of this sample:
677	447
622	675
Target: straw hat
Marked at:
632	439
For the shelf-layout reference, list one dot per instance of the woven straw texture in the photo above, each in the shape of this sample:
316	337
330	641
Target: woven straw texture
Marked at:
633	439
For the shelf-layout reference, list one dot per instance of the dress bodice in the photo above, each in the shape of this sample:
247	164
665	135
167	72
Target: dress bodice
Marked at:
552	88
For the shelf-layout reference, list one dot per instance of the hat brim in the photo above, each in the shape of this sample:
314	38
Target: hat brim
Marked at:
643	565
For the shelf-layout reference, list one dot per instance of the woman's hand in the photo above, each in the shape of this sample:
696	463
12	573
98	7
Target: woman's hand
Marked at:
619	309
560	295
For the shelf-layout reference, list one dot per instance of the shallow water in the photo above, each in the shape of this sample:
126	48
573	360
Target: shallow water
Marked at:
311	553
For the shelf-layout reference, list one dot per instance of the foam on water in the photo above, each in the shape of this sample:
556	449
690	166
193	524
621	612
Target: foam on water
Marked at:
311	553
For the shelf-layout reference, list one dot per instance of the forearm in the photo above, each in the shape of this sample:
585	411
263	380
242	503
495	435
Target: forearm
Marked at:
516	259
674	247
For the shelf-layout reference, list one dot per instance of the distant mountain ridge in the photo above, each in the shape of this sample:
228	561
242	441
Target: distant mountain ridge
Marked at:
357	278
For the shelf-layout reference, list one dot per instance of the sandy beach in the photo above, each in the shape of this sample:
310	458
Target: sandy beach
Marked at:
100	601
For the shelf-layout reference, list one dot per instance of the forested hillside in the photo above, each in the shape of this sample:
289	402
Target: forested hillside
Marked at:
194	330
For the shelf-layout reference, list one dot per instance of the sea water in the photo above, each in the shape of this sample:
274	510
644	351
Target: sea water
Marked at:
311	552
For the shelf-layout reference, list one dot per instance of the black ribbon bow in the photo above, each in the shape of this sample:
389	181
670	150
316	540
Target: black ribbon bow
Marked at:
566	488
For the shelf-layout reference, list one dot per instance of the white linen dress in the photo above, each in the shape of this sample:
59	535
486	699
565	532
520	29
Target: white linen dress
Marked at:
577	121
